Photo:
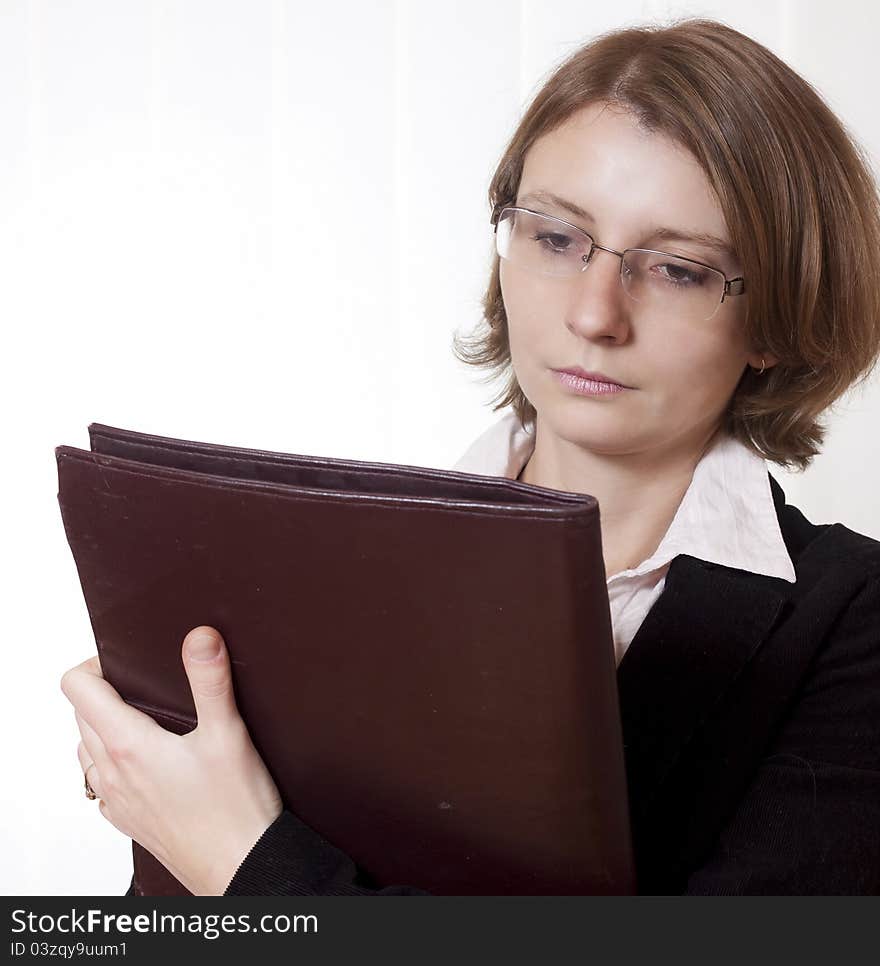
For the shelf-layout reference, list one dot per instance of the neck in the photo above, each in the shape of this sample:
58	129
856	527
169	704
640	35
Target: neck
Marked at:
638	493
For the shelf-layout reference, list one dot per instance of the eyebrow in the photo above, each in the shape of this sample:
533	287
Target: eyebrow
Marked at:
661	233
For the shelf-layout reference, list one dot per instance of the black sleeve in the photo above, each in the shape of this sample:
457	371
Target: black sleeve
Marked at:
810	821
291	859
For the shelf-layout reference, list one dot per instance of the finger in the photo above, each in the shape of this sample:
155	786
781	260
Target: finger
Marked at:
207	665
85	759
108	814
98	702
91	741
89	768
91	666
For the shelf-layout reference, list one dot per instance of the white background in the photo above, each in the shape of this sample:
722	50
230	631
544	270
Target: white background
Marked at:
260	222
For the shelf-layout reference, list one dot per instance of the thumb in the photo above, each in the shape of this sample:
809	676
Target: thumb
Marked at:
206	661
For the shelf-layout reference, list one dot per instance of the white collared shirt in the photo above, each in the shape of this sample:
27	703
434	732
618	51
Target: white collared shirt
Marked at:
727	516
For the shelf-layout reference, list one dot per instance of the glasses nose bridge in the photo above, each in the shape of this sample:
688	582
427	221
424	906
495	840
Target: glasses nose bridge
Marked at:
588	258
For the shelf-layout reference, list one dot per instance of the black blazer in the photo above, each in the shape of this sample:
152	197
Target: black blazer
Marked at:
751	722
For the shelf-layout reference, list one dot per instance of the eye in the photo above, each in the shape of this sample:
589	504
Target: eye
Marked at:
556	241
677	274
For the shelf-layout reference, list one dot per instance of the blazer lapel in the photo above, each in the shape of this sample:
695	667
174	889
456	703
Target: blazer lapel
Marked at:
705	626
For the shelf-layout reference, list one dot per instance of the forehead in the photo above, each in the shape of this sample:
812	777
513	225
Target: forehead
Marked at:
602	160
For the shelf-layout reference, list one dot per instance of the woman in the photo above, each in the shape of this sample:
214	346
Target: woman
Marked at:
687	276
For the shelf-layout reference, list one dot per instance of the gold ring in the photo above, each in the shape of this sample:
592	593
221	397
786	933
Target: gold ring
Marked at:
90	792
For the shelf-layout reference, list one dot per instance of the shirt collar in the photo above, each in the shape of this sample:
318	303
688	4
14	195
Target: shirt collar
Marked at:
727	515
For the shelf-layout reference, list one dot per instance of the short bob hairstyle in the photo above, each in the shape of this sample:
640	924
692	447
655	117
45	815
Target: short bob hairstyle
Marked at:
797	193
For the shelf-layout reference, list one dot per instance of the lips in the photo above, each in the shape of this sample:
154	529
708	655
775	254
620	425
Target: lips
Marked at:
593	376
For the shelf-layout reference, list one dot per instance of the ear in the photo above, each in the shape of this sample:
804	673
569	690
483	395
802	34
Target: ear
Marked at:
757	359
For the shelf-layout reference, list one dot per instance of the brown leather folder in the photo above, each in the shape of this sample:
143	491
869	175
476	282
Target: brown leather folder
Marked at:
423	657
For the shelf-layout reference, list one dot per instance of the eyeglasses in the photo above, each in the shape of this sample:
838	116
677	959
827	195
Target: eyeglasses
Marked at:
664	285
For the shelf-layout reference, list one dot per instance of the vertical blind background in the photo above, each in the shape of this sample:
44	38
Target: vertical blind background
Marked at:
260	222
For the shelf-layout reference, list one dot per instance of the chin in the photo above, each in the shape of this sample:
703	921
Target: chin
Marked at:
590	428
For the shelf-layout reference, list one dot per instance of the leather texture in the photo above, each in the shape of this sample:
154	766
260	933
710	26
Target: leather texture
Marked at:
423	657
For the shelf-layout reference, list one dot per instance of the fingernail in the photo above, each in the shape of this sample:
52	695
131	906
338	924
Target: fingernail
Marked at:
203	647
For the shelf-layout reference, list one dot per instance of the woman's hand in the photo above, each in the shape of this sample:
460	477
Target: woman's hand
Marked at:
198	801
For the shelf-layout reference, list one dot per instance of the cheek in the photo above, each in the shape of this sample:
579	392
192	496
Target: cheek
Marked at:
520	309
532	309
700	371
524	349
516	295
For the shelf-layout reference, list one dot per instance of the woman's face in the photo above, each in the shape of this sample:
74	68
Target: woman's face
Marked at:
682	373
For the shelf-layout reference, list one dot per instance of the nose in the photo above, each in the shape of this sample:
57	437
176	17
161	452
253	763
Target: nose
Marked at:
597	307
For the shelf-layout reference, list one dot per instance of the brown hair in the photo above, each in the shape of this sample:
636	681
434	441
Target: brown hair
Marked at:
797	194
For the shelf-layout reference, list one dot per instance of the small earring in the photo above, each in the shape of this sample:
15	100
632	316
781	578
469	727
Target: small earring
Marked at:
761	370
